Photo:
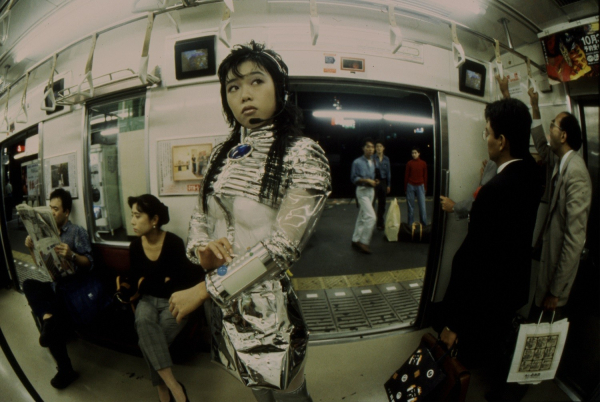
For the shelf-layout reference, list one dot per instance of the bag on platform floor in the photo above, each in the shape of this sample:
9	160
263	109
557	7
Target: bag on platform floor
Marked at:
417	233
538	351
392	221
429	374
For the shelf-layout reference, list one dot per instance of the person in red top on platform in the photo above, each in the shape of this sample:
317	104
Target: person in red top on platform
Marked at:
415	184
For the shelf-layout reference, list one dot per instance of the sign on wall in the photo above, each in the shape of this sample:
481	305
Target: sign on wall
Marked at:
30	177
573	52
182	163
61	172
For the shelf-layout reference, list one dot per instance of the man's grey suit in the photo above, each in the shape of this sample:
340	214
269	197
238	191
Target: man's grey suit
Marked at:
569	195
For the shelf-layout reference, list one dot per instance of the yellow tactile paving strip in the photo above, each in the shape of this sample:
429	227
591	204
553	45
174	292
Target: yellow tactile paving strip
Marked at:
347	281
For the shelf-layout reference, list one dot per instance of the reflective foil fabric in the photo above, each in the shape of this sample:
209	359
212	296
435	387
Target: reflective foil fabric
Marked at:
260	336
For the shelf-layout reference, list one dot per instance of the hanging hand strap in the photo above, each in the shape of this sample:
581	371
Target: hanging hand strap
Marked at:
225	27
49	92
498	59
457	49
143	70
314	22
23	109
395	32
88	71
5	119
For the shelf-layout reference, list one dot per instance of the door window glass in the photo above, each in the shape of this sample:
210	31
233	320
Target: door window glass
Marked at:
117	164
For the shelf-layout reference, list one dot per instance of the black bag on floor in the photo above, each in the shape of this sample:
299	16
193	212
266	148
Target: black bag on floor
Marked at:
429	374
84	296
417	233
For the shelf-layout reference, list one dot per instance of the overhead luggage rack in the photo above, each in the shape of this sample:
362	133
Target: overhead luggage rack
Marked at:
104	84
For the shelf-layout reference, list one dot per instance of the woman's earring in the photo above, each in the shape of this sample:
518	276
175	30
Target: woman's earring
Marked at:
154	227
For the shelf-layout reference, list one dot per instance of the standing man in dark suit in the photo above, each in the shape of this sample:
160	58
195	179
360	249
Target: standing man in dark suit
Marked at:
569	195
491	269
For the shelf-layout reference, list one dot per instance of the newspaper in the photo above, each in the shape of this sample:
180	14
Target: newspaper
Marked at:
42	229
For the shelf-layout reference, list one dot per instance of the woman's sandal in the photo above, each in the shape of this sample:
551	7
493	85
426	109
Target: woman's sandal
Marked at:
184	392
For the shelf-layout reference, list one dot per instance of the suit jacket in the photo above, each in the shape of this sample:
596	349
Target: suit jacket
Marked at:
462	208
564	232
491	270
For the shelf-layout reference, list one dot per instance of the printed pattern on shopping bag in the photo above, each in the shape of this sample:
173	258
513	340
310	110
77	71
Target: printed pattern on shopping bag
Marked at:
539	353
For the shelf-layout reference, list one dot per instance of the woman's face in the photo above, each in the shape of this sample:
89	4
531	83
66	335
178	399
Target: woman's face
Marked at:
252	95
141	222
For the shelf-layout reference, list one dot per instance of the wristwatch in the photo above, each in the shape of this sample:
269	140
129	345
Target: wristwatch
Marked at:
74	257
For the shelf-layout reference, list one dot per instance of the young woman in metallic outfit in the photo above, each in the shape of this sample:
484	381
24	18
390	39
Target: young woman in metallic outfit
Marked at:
262	195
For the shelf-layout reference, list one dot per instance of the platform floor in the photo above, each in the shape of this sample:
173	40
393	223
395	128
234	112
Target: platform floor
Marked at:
350	371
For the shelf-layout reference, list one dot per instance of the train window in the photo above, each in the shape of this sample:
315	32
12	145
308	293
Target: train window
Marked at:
117	164
365	293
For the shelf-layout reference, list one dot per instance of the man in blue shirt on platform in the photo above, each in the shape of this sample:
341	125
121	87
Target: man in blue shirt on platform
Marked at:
363	176
383	173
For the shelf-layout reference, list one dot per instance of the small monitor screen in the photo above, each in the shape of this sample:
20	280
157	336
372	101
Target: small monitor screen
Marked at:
195	57
194	60
473	80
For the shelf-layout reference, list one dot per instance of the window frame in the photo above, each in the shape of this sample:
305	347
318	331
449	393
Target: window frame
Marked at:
86	142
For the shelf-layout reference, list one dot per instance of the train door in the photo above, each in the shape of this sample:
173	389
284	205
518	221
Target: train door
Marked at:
581	357
21	183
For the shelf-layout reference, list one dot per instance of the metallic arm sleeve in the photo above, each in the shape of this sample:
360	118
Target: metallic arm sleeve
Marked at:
309	184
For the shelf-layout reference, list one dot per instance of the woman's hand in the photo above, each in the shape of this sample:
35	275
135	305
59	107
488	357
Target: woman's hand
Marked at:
184	302
215	254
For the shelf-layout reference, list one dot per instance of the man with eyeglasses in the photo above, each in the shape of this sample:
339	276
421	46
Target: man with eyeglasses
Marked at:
569	197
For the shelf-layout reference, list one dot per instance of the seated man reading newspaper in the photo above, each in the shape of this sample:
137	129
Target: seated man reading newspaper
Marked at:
72	254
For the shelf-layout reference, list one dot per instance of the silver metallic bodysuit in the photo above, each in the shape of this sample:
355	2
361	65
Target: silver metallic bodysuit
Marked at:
259	334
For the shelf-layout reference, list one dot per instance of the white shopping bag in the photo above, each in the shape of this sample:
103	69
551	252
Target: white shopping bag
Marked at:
538	351
392	221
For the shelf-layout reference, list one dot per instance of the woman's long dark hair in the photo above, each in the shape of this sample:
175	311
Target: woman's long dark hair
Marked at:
286	125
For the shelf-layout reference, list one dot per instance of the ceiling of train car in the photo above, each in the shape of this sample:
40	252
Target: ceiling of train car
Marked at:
38	26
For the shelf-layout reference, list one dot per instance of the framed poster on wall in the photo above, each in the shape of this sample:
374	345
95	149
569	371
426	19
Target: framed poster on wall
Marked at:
61	172
182	162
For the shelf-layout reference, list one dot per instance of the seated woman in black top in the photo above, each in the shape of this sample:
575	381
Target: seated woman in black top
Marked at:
159	267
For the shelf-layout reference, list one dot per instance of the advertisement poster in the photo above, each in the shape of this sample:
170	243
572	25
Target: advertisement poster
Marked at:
182	162
61	172
30	176
573	53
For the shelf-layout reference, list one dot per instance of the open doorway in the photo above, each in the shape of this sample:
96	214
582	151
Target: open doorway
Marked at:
21	183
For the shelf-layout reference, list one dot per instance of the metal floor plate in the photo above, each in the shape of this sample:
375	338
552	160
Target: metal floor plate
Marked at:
341	311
